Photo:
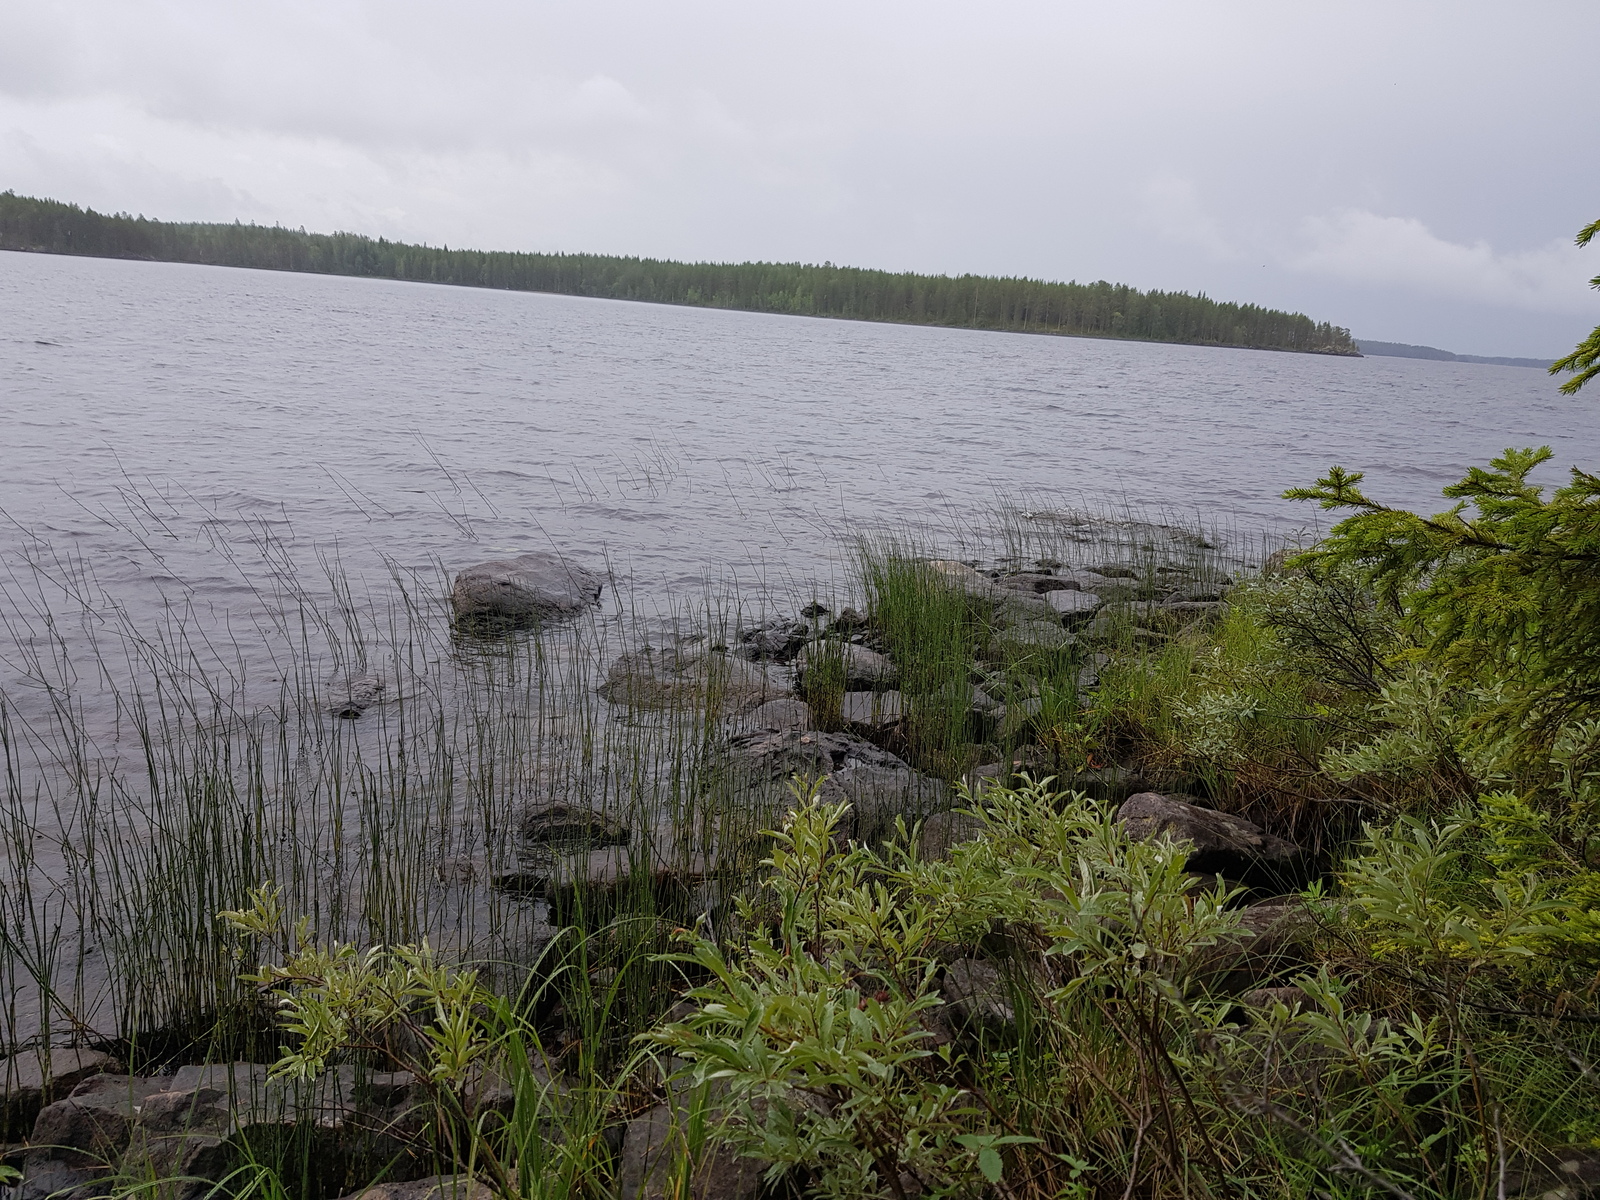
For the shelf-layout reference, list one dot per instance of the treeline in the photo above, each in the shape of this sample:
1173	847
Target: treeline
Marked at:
967	301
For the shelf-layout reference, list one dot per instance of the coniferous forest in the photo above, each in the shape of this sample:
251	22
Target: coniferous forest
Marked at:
967	301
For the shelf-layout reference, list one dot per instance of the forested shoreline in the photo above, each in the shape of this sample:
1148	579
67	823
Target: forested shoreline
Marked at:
1022	305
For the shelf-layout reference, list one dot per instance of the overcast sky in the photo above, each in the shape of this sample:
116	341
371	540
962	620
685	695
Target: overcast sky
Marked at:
1414	171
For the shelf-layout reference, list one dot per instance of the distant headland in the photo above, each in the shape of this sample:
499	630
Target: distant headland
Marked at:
1101	310
1405	350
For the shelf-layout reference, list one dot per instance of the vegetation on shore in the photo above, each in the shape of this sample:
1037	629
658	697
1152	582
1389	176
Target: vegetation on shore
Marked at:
967	301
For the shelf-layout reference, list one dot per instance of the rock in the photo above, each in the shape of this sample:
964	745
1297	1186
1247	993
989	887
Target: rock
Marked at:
946	829
571	826
977	996
1268	997
30	1080
1273	936
1030	581
1222	844
92	1126
351	695
863	669
655	1142
871	712
1115	571
687	680
1074	604
1030	638
1017	608
756	770
524	590
588	886
773	641
789	712
1560	1173
962	577
47	1178
434	1187
1197	594
1020	715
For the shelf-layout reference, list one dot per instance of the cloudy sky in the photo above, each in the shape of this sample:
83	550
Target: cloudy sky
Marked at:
1415	171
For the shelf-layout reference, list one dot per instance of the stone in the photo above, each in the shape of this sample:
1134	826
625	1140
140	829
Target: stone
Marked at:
871	712
773	641
864	669
524	590
1031	637
787	712
30	1080
1269	997
946	829
977	996
1074	603
92	1126
1017	608
556	823
653	1145
1560	1173
351	695
756	770
1221	843
688	680
1038	583
962	577
1272	937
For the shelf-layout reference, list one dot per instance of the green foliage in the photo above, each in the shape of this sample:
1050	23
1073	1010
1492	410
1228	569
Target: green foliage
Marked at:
1584	362
1504	599
970	301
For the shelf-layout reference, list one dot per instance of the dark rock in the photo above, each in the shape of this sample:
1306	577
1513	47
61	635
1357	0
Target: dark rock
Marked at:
92	1126
1560	1173
48	1178
1272	937
977	996
774	641
863	669
1267	997
351	695
686	680
814	610
554	823
1031	638
30	1080
655	1142
1031	581
524	590
1222	844
946	829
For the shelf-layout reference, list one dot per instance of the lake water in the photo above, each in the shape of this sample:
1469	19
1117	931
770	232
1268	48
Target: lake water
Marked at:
180	441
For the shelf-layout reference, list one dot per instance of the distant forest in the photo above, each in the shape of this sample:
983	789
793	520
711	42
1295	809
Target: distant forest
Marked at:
965	301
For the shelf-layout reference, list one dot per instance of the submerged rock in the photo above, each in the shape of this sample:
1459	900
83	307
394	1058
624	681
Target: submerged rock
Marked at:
524	590
557	823
351	695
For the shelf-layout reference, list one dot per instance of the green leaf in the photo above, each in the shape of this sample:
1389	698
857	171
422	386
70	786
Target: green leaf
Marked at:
990	1164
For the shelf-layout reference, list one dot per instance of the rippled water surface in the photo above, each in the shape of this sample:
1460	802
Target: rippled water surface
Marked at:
156	412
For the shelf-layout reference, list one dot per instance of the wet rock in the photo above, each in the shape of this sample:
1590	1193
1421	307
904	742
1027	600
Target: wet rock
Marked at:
1074	604
977	996
591	885
773	641
1223	844
570	826
871	712
33	1078
863	669
789	712
654	1143
524	590
351	695
687	680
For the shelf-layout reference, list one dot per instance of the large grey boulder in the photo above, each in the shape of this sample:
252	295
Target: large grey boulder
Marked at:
755	770
688	680
979	1000
524	590
871	712
77	1142
654	1144
1222	844
1074	603
30	1080
787	712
